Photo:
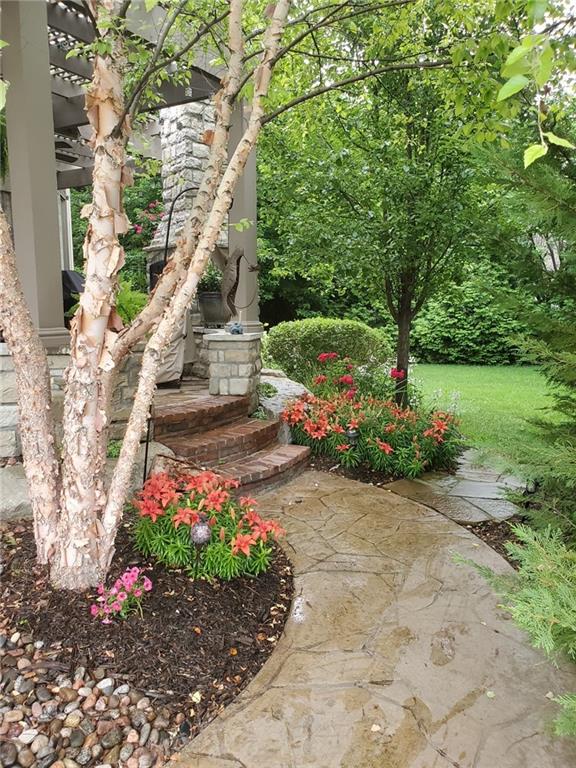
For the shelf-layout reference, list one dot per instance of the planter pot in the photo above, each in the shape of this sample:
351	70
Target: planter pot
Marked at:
214	311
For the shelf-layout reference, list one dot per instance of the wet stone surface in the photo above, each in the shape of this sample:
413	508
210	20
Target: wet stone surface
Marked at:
471	495
394	656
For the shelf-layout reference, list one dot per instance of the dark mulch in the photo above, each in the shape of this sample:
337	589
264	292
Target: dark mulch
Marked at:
496	534
207	638
362	473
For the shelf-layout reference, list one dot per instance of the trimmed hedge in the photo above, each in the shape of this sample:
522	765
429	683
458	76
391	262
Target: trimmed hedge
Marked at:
294	346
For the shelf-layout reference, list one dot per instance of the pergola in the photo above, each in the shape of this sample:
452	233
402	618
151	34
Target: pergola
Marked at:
47	129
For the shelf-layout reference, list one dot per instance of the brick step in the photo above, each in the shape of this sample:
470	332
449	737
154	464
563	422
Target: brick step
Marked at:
197	413
228	442
268	467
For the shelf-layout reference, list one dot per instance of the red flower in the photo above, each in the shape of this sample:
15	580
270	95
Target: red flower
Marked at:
149	508
351	394
323	357
321	379
343	447
385	447
346	379
242	543
185	516
216	498
398	373
247	501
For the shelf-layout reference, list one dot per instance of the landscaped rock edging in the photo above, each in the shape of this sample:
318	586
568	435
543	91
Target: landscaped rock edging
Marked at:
50	719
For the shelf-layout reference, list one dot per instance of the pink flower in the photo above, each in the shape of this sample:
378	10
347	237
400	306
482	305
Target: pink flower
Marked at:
122	596
398	373
100	589
106	621
114	590
116	606
137	593
107	609
147	584
138	229
94	609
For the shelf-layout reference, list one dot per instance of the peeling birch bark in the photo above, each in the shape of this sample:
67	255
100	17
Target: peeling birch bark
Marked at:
187	290
36	422
77	563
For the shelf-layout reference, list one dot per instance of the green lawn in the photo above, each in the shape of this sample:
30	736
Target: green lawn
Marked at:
495	404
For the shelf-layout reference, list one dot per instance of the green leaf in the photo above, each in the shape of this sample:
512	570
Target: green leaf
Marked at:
3	88
519	53
512	86
536	9
533	152
545	65
3	44
150	4
553	139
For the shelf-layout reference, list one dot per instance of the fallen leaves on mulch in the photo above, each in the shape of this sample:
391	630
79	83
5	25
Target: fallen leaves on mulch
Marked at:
196	647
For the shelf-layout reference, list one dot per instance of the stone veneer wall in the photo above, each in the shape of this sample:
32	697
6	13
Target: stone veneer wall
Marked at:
121	402
234	364
184	155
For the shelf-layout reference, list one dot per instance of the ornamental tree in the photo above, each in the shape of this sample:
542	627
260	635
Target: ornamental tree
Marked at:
76	512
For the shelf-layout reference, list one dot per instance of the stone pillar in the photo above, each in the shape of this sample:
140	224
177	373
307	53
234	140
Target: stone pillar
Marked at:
244	208
30	132
234	364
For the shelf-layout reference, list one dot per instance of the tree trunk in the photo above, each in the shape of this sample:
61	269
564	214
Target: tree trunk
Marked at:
187	290
36	423
404	323
80	559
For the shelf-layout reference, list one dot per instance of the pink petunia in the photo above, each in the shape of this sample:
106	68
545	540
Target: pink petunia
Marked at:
147	584
122	596
116	606
137	593
94	609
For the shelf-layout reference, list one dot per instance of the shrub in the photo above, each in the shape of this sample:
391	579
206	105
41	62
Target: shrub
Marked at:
333	374
467	325
541	598
359	430
294	346
170	508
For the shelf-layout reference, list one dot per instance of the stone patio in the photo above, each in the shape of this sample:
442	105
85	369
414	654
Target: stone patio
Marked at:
394	656
473	494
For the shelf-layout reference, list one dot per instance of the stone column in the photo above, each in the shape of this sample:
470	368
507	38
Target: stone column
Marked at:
234	364
30	132
244	207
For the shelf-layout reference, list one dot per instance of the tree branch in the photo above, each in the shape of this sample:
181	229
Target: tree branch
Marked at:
350	81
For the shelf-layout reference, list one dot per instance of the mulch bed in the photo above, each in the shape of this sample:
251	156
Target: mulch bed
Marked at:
195	649
496	534
362	473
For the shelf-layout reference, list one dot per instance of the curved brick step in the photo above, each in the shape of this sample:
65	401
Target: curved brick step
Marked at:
190	415
228	442
268	467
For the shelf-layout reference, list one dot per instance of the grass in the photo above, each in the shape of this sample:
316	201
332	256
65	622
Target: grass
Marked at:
495	404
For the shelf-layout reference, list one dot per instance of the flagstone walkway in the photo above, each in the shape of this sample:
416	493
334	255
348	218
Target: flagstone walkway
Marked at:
394	656
472	494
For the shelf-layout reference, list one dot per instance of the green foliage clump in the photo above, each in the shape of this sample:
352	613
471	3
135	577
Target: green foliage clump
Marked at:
469	323
129	302
294	346
113	449
359	429
239	539
541	598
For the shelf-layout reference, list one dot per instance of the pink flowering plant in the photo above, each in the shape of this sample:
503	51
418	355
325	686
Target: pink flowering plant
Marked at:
123	598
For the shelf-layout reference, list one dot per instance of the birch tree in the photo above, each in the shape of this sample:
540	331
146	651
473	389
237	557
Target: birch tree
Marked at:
76	514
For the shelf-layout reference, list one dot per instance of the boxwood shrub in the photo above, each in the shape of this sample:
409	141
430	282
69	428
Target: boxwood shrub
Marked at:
294	346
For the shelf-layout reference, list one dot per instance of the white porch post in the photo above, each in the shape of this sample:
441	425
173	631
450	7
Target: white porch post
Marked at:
244	207
30	132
